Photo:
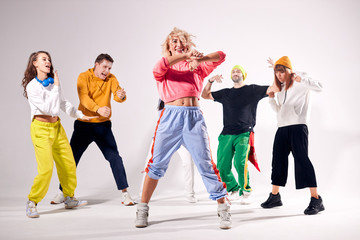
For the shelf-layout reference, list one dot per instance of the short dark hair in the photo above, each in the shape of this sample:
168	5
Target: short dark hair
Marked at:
104	56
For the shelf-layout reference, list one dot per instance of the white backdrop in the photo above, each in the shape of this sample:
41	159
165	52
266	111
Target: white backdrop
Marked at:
320	37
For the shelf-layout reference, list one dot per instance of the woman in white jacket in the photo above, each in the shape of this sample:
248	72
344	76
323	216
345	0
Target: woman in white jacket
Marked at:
42	89
292	107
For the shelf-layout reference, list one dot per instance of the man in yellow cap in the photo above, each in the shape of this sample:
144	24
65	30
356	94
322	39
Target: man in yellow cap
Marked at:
237	137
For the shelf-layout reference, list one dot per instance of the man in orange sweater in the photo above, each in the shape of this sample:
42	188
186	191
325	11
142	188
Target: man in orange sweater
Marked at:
94	89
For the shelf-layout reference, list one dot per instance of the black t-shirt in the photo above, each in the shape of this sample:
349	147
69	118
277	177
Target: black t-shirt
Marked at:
239	107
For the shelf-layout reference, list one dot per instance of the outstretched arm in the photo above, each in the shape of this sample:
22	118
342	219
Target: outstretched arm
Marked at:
272	90
206	93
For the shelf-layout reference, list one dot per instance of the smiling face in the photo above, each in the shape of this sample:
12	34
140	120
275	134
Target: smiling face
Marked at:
42	64
102	69
176	46
236	75
177	36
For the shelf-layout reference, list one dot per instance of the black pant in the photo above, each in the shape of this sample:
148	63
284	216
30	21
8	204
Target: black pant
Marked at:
100	133
293	139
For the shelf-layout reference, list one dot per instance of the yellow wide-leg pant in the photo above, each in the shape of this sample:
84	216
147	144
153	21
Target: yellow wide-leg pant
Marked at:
51	144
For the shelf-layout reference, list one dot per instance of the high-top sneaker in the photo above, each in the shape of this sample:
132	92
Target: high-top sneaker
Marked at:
272	201
142	214
223	212
315	206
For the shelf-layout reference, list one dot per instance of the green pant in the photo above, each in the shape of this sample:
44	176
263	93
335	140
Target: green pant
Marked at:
237	147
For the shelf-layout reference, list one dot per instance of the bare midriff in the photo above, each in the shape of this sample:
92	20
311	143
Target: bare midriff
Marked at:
185	101
46	118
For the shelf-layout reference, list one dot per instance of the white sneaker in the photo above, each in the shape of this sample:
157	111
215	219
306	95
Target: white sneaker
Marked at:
191	199
31	210
72	202
245	198
126	199
142	214
59	198
233	196
223	212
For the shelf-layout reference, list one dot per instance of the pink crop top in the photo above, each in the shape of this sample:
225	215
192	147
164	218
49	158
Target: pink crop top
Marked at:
177	81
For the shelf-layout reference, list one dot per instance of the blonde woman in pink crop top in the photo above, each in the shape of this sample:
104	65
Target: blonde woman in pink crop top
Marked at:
180	73
179	77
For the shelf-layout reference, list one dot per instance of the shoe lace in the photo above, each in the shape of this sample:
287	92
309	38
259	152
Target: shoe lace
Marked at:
141	214
32	207
313	204
71	200
224	215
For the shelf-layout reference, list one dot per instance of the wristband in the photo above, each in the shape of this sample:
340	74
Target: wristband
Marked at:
211	81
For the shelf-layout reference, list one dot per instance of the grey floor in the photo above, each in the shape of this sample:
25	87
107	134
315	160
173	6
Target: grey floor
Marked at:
173	218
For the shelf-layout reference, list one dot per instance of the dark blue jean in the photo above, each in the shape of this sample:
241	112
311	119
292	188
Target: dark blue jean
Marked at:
100	133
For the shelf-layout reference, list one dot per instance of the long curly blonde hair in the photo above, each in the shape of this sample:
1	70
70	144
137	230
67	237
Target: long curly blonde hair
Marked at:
185	38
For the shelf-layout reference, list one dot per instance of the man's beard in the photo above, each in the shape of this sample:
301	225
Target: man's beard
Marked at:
236	80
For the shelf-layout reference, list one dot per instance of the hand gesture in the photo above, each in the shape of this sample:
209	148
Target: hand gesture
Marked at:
194	54
217	78
271	63
296	77
87	118
104	111
121	93
56	79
